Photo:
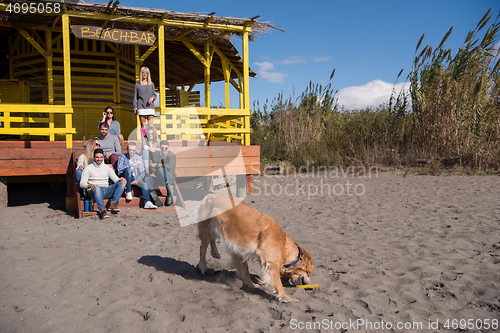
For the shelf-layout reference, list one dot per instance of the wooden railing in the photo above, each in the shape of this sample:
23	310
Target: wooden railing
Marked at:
200	123
36	120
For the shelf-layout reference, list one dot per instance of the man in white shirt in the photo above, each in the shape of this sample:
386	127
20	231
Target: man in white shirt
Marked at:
95	178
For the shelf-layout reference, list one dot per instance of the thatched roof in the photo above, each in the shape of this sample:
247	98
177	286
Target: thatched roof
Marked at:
182	65
126	18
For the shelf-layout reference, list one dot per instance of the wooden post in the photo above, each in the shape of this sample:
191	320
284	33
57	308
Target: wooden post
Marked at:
226	68
50	80
246	81
242	99
138	63
3	192
208	63
206	75
161	68
67	78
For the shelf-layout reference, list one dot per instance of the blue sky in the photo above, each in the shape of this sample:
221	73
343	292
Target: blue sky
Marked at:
366	42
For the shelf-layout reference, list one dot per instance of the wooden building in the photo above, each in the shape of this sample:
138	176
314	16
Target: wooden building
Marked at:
63	62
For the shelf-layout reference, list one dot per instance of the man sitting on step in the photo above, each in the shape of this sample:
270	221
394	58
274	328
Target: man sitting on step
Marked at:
131	167
95	178
162	171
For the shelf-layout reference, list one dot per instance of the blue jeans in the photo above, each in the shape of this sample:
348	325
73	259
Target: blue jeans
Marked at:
145	154
167	176
78	175
162	177
127	174
100	193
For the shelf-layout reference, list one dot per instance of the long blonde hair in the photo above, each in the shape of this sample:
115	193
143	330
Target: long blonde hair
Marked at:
155	134
88	154
146	70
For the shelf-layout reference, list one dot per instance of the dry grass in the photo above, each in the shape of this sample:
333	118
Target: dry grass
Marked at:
453	121
456	98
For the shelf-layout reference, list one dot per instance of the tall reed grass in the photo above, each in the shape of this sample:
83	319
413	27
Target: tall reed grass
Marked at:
456	99
451	115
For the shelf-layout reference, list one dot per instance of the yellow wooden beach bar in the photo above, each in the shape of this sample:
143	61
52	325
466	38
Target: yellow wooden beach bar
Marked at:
63	62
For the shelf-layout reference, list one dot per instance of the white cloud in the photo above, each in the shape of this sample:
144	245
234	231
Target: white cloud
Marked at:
372	94
293	60
266	72
322	59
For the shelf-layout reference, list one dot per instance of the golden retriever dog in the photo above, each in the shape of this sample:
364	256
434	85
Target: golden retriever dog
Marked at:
249	234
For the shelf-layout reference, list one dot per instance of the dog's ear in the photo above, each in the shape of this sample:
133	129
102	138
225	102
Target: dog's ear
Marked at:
307	262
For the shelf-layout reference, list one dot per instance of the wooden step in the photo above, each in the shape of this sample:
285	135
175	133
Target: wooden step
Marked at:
136	205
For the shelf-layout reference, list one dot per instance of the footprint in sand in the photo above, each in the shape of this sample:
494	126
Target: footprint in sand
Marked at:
358	307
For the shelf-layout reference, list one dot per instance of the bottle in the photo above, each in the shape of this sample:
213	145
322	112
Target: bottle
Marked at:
91	206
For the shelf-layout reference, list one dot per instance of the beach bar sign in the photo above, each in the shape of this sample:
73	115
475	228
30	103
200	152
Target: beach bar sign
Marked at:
120	36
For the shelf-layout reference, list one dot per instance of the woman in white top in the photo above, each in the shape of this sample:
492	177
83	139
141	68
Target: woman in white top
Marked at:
144	98
87	157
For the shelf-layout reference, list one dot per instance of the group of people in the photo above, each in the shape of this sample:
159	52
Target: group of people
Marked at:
102	160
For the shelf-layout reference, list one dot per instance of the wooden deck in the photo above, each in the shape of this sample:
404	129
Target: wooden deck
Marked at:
194	159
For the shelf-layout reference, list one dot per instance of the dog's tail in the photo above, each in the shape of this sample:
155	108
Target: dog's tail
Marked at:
206	208
215	204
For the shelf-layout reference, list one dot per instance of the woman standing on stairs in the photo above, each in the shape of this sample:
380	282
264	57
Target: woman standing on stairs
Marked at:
144	98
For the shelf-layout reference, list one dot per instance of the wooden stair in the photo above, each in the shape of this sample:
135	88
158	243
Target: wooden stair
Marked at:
136	205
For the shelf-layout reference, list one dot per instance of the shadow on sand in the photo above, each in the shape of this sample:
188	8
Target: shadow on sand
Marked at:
190	272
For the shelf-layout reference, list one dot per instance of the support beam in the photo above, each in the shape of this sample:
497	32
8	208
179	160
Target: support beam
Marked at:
50	78
32	41
67	78
226	70
151	49
66	60
54	22
223	57
246	88
161	66
195	51
208	62
138	64
154	25
206	74
154	21
112	47
235	85
50	81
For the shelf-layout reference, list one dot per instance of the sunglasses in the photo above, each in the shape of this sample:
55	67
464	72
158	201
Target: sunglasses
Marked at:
109	112
145	74
164	148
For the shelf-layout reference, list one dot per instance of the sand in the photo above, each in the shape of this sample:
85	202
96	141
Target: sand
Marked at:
414	253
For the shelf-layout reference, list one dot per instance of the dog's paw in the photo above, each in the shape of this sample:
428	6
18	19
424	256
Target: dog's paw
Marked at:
284	298
287	299
201	268
214	252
